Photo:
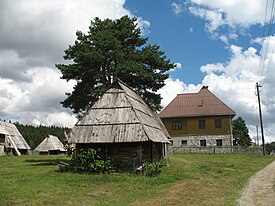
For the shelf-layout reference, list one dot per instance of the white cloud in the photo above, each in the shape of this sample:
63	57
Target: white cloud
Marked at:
236	86
177	8
234	12
234	15
213	17
41	30
34	35
170	90
234	83
58	118
144	26
209	68
39	97
178	66
173	87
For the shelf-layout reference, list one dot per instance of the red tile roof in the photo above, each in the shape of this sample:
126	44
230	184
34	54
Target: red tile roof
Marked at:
203	103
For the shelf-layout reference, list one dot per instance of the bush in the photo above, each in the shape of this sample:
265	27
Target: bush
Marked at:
89	161
153	169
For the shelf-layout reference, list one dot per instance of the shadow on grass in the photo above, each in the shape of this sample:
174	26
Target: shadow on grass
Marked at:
46	162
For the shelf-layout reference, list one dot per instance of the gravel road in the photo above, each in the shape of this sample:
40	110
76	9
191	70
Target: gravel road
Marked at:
260	189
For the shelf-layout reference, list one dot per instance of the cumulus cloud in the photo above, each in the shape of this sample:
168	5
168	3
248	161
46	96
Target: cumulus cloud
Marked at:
230	15
62	119
236	86
214	18
234	83
173	87
232	12
29	100
40	36
170	90
144	26
34	35
12	66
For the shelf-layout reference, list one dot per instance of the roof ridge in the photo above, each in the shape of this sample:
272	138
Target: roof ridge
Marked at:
152	114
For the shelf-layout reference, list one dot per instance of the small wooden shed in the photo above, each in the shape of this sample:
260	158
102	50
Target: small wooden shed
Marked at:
11	140
123	126
50	145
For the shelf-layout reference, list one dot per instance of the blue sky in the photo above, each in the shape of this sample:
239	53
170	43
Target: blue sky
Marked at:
219	43
184	37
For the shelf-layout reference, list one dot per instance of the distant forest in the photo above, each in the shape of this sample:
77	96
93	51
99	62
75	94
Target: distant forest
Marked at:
35	134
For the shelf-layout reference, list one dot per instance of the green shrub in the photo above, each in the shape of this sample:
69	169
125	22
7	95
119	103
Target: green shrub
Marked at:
153	169
89	161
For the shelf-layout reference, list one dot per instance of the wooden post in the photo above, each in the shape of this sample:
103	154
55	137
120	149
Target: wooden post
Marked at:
140	153
261	120
106	151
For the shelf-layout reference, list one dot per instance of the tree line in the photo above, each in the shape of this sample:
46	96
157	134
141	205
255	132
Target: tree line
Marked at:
34	135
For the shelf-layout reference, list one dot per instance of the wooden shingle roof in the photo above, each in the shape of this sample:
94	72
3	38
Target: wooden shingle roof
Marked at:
10	130
203	103
50	143
119	116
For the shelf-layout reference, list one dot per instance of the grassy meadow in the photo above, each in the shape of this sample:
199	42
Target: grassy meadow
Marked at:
191	179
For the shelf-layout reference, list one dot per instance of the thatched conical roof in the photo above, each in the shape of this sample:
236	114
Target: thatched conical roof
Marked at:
50	143
119	116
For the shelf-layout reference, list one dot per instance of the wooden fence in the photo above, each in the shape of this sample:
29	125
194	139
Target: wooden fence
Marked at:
214	150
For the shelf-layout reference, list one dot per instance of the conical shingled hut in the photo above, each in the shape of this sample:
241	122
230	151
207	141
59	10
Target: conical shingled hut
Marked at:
51	145
123	127
11	140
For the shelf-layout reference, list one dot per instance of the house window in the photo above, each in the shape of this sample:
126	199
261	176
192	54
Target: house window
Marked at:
203	143
2	138
177	125
183	142
219	142
201	124
218	123
171	141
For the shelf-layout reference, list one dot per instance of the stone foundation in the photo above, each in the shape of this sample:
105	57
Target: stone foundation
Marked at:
195	141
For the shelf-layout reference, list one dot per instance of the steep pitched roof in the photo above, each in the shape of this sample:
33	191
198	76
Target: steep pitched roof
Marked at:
10	130
119	116
203	103
50	143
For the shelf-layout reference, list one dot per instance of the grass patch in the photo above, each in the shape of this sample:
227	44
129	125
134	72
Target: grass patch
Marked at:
191	179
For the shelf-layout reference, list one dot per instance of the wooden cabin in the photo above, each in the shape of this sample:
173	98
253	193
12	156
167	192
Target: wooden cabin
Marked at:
50	145
123	127
198	120
11	140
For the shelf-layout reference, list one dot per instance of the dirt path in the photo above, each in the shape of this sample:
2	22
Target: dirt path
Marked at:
260	189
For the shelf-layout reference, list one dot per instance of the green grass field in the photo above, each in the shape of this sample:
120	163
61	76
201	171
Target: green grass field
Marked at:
191	179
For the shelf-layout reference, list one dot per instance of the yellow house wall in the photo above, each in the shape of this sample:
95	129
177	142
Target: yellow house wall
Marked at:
190	126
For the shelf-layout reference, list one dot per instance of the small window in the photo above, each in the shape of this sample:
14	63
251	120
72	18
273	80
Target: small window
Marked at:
203	143
219	142
218	123
201	124
171	141
177	125
183	142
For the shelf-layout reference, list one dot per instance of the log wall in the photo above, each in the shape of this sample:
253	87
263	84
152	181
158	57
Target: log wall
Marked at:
127	156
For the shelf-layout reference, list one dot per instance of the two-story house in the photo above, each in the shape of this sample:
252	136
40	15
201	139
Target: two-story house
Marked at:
198	120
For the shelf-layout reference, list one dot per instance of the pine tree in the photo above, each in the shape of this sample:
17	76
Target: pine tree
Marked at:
240	133
113	49
34	135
